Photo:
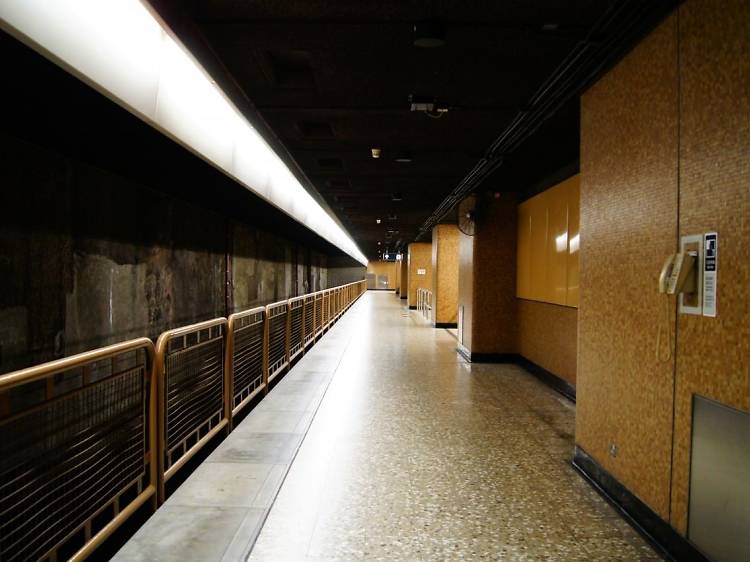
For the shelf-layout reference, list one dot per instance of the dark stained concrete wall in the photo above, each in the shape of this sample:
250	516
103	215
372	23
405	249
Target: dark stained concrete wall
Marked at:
88	258
340	270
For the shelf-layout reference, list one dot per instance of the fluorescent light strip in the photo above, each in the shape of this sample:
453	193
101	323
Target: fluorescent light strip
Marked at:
120	48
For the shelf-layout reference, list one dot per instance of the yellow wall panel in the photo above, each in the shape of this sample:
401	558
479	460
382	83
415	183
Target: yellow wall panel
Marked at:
523	263
547	245
538	247
574	240
556	287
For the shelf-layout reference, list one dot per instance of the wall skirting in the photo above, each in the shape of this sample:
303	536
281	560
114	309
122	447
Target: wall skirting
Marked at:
487	357
668	542
550	379
446	325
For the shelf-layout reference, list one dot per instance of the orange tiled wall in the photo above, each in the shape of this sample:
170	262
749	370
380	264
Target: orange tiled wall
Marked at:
445	273
628	199
384	268
547	336
487	278
420	257
665	134
713	355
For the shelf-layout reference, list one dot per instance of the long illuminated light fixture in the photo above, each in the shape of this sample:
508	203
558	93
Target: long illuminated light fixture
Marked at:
120	48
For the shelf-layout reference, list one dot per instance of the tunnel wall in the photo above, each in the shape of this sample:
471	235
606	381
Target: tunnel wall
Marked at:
664	145
340	270
88	258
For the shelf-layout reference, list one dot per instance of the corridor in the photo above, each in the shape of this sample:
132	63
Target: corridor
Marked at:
414	281
415	454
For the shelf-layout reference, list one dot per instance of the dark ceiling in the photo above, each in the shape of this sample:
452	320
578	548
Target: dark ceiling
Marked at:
332	79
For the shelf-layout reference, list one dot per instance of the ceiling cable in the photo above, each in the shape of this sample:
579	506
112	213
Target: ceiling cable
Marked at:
609	38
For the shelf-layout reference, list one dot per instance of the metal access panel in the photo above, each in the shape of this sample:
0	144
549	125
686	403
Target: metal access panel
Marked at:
719	514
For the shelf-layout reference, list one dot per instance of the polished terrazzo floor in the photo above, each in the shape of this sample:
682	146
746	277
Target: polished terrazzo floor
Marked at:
415	454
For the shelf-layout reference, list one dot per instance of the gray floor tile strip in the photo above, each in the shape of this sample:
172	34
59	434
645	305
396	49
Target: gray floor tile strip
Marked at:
218	512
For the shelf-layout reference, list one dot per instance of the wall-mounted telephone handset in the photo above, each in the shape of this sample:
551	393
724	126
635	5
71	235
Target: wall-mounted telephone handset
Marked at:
677	276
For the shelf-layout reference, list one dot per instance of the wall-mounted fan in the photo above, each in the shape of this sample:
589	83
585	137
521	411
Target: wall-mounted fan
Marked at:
467	215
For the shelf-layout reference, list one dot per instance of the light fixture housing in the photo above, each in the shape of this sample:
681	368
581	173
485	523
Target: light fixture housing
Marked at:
375	152
377	221
125	52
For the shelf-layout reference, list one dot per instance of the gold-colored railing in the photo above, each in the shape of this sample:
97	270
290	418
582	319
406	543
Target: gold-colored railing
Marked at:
277	330
326	308
87	440
309	316
78	450
318	313
192	384
245	357
296	327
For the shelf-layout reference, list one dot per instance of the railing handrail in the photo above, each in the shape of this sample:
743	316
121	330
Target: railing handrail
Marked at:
244	313
164	337
45	370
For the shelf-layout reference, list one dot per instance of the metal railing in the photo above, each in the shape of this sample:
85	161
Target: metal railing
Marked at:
192	385
77	450
318	313
309	316
86	440
277	334
424	302
326	309
245	358
296	327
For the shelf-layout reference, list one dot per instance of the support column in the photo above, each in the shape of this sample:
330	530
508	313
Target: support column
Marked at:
445	276
420	270
404	278
487	323
398	278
